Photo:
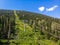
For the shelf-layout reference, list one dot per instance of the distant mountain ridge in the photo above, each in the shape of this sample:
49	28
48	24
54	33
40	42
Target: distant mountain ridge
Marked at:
22	11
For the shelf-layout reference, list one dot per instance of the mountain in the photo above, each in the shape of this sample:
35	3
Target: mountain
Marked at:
28	28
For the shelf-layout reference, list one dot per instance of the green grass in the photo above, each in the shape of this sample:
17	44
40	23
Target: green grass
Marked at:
48	42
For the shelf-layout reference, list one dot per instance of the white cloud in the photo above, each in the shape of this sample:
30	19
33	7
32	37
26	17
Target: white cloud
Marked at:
52	8
41	8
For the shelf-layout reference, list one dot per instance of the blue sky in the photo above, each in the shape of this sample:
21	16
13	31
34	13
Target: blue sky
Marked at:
47	7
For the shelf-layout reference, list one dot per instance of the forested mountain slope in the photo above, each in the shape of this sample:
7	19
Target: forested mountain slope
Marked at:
27	28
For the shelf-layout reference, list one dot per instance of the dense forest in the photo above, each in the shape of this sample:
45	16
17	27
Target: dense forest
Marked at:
28	28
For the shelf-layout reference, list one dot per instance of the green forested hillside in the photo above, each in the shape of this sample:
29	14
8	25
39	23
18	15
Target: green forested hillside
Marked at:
27	28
